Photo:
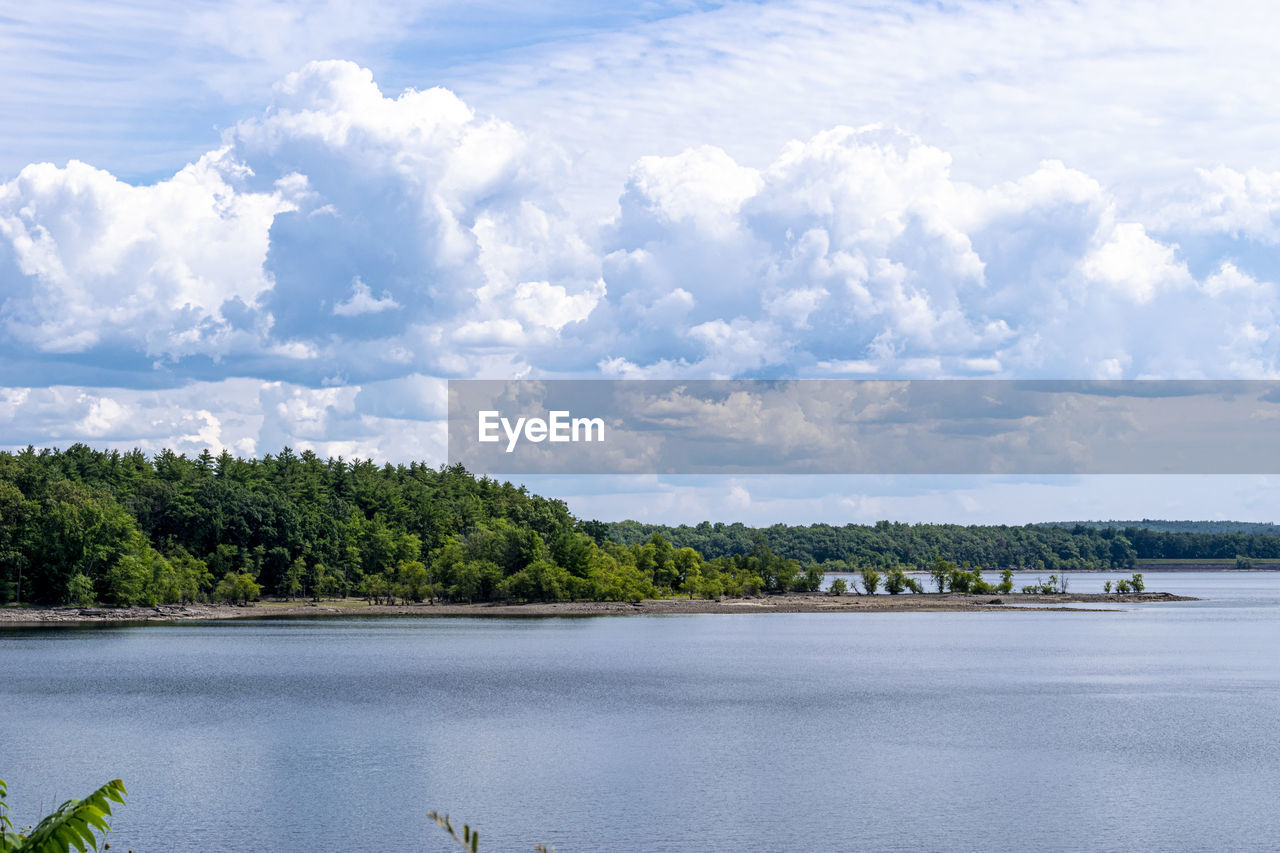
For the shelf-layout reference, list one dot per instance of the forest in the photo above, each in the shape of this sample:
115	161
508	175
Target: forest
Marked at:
83	526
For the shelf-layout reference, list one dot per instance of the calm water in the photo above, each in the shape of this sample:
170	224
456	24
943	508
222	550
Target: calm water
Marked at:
1144	729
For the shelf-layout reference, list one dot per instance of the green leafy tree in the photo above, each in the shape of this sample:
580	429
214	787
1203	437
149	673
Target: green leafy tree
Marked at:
295	579
1006	582
413	580
541	580
376	588
17	517
572	551
663	556
839	586
80	590
329	582
808	581
688	564
140	574
961	580
237	588
182	578
941	571
469	579
693	583
870	580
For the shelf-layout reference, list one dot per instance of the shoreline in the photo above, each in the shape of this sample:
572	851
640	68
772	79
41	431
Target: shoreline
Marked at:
784	603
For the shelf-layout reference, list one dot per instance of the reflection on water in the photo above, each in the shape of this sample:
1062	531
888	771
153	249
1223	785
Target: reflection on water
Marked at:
1150	728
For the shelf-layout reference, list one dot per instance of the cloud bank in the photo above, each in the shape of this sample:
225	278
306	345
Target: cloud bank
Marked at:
316	277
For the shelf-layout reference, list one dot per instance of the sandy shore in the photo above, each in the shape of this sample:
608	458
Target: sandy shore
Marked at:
790	603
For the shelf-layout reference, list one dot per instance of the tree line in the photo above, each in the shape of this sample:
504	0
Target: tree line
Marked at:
83	526
1034	547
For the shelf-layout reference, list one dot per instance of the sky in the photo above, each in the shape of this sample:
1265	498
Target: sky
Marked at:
255	223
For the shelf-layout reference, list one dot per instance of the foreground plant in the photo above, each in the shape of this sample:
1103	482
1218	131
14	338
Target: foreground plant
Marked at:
470	839
72	825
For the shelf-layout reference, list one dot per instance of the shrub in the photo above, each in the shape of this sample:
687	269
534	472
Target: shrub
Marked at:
870	580
72	824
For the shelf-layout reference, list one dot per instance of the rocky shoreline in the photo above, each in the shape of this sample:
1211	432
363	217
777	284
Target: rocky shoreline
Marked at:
787	603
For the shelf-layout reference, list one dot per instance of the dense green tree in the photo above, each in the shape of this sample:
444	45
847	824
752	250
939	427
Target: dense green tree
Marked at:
941	570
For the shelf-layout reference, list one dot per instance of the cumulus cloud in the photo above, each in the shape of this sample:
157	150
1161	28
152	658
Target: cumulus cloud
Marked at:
94	262
338	218
857	252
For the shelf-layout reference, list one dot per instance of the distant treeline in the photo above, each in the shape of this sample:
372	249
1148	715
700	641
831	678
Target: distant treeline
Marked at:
1260	528
82	526
1035	547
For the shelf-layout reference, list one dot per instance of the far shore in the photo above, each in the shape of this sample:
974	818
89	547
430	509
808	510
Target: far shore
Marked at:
785	603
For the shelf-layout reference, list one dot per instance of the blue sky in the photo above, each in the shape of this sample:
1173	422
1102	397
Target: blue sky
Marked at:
245	224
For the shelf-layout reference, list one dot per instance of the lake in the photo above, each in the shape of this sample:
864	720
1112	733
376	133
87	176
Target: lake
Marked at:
1145	728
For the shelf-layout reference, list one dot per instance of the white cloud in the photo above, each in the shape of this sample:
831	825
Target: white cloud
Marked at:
95	259
1241	204
362	301
1229	278
1131	93
203	415
1135	265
